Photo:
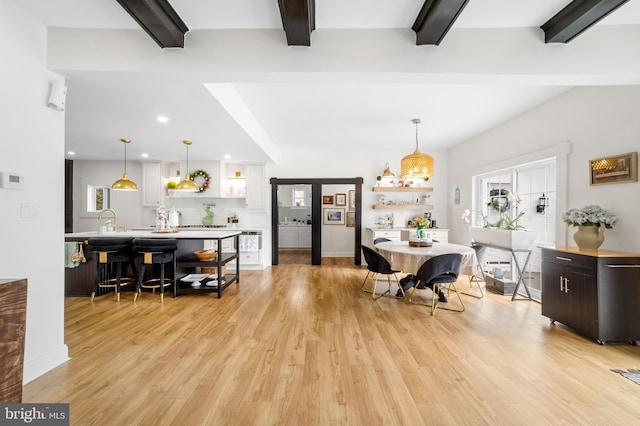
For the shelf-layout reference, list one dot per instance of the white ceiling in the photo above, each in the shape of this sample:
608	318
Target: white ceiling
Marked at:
105	105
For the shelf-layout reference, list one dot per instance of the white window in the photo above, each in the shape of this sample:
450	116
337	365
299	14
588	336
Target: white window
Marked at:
98	198
299	195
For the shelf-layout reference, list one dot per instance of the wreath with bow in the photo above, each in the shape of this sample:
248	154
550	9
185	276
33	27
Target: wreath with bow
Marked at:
204	175
499	200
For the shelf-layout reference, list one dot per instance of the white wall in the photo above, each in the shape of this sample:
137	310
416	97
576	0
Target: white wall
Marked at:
591	122
33	145
128	204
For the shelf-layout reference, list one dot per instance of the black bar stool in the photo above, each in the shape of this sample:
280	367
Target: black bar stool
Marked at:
113	253
158	251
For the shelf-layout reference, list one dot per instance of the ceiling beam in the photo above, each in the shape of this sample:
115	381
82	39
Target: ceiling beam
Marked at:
435	19
298	20
158	19
576	17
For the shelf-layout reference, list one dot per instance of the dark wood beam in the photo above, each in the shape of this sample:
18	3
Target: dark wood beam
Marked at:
435	19
298	20
158	19
576	17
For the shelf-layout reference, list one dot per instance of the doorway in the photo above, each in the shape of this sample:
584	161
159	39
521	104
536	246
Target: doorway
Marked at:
316	214
294	224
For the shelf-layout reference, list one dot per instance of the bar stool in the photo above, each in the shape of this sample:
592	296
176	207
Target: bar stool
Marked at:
113	253
155	251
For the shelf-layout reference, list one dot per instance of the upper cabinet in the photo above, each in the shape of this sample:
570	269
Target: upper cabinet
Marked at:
152	184
226	180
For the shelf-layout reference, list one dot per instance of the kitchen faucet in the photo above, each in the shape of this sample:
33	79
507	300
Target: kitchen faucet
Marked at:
115	218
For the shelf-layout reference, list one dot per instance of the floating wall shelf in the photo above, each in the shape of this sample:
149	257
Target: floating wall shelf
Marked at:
402	207
402	189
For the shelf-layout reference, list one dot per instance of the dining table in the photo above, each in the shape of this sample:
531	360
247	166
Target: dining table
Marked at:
408	259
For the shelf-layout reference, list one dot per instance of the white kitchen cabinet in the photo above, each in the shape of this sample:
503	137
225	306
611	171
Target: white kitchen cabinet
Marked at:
152	185
288	237
440	235
294	236
304	237
255	197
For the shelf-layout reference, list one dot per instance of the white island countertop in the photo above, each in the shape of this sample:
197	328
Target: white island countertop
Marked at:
200	234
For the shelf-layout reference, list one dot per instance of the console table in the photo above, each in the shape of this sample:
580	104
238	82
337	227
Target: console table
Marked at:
520	269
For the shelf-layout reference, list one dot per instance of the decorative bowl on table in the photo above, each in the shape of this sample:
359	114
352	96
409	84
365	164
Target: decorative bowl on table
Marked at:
206	255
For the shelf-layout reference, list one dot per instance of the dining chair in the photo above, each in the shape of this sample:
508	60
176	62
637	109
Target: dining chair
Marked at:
380	240
477	274
441	269
377	264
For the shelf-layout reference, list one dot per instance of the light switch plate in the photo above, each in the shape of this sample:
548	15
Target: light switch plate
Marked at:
29	210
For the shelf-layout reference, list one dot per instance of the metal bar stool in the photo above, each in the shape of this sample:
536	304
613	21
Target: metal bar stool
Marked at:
155	251
113	253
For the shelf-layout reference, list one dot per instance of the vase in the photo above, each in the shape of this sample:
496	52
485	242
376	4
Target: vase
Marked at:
589	237
420	232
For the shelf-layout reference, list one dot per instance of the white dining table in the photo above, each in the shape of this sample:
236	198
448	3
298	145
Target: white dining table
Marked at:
408	259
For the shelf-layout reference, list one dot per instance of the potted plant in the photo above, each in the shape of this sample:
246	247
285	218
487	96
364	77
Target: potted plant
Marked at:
505	233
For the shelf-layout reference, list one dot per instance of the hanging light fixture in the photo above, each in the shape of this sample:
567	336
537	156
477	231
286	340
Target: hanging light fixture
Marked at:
416	165
187	184
387	172
125	184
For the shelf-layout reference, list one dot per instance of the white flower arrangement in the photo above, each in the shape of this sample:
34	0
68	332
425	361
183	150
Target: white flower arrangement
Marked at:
591	215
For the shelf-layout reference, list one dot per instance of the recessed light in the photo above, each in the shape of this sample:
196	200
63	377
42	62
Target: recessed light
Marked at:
227	156
144	155
71	152
162	119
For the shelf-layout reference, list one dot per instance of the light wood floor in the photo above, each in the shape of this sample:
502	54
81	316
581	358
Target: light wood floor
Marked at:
302	345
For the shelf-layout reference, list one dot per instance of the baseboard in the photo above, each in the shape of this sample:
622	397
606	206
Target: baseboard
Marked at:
35	368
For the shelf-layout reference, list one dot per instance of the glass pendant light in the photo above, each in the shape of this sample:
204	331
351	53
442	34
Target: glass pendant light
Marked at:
416	165
124	184
187	185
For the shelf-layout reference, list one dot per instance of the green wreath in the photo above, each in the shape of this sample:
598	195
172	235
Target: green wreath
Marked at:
500	206
205	176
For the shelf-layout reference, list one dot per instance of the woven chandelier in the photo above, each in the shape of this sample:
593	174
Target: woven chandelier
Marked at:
416	165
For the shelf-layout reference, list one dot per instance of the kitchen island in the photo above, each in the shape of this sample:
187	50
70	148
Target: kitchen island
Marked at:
79	279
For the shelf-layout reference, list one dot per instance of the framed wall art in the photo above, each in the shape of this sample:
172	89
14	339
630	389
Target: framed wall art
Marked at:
351	219
352	199
327	199
615	169
341	199
333	216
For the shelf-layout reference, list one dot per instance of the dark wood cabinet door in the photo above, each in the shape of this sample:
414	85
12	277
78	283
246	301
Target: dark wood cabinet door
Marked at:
581	302
553	295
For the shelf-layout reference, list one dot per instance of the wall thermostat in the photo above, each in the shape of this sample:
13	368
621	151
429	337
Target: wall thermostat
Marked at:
10	180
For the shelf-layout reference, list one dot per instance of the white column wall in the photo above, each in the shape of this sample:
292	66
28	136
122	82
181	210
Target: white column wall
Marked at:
32	145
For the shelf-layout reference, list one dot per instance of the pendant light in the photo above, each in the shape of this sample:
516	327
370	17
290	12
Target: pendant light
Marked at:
416	165
387	172
187	185
125	184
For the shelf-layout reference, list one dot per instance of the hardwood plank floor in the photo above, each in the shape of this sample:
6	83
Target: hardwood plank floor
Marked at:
298	344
